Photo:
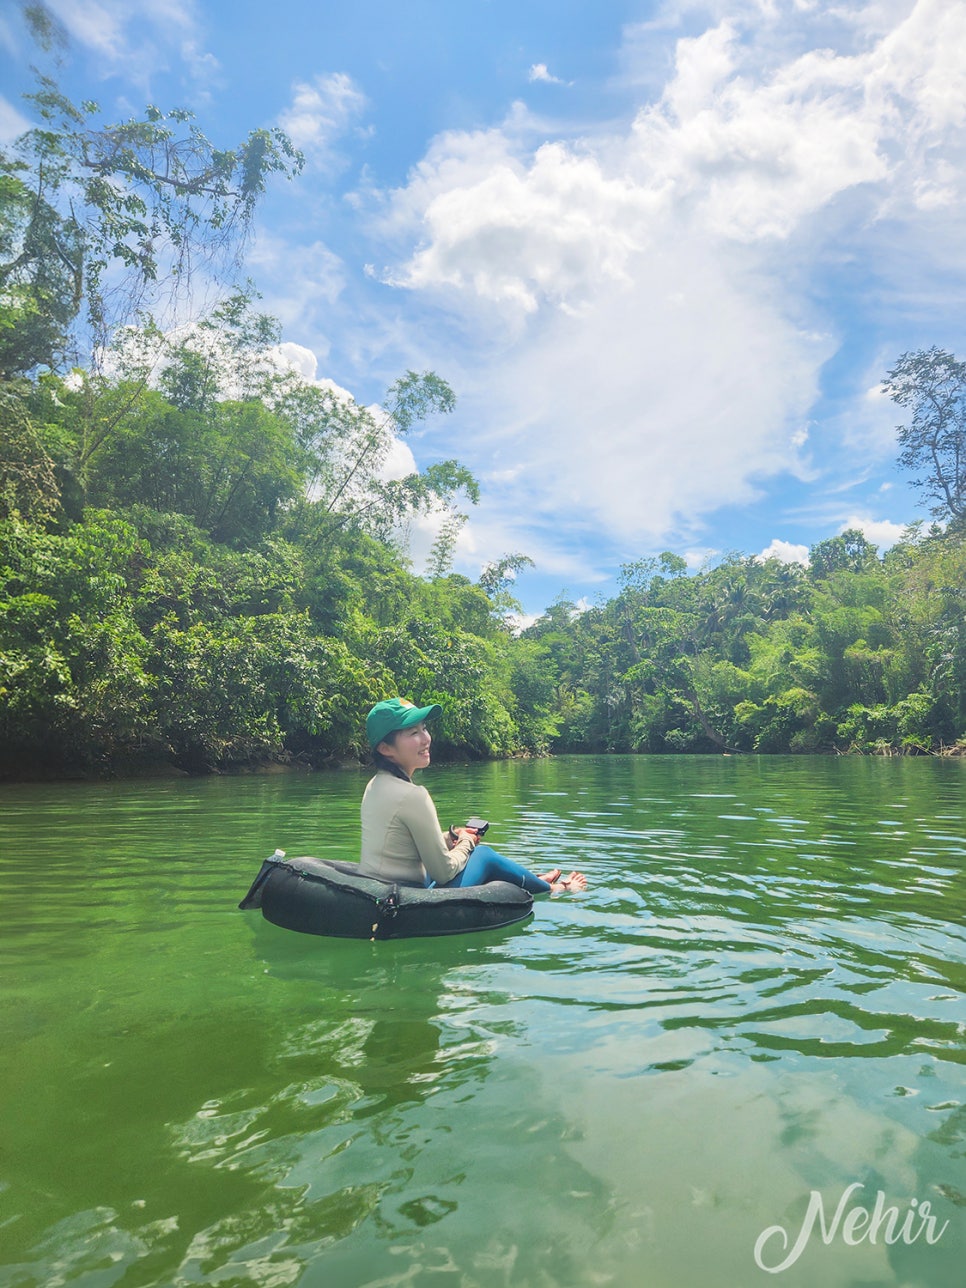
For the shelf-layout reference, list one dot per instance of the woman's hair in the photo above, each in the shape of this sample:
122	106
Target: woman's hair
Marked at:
385	764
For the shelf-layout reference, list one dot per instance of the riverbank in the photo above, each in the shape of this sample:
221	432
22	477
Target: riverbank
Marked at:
148	770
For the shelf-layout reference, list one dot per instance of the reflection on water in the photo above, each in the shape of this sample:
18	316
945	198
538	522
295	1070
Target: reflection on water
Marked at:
761	996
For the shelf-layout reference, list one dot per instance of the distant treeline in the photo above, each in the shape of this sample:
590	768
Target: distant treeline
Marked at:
200	561
854	653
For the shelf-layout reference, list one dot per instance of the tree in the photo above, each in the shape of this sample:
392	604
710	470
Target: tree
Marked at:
347	447
41	272
230	470
495	581
116	215
74	685
848	552
500	575
931	383
28	482
443	549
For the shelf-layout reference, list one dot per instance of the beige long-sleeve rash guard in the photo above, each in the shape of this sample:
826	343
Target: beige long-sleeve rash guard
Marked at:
401	837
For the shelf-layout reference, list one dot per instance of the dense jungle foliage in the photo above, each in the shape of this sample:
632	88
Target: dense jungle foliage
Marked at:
201	556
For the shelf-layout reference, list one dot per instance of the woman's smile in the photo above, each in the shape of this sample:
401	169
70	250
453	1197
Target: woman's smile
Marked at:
410	748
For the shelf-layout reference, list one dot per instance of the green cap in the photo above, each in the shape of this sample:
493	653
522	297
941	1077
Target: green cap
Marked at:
395	713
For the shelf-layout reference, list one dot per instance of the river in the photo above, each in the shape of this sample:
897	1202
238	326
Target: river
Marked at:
749	1031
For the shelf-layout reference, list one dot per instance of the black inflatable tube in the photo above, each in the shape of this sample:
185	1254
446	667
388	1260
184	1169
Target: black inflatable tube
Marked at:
320	897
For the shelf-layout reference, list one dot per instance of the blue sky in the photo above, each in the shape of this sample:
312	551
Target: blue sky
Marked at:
664	253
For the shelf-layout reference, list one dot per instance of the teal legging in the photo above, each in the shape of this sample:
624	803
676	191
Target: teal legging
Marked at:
484	864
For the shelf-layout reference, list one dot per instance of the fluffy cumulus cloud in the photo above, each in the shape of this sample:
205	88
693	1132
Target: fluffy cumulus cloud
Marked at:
289	356
881	532
643	296
785	552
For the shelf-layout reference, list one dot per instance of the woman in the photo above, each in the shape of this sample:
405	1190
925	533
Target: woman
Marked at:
401	837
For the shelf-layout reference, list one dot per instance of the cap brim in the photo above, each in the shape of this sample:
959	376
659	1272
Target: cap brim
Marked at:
416	715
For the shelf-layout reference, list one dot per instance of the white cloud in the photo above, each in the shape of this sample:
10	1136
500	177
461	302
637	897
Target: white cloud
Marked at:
97	26
398	463
9	37
495	530
696	559
204	67
519	622
785	552
138	40
296	357
321	112
306	281
651	354
881	532
12	122
540	72
516	234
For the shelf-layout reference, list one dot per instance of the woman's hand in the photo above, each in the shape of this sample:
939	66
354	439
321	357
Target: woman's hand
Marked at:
457	833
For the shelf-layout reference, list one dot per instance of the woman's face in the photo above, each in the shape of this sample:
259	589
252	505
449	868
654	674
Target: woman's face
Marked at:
409	748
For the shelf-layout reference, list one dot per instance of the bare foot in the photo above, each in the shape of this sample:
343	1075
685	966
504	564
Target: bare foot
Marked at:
576	881
550	877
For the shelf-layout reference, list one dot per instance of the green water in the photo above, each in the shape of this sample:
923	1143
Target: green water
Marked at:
761	996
